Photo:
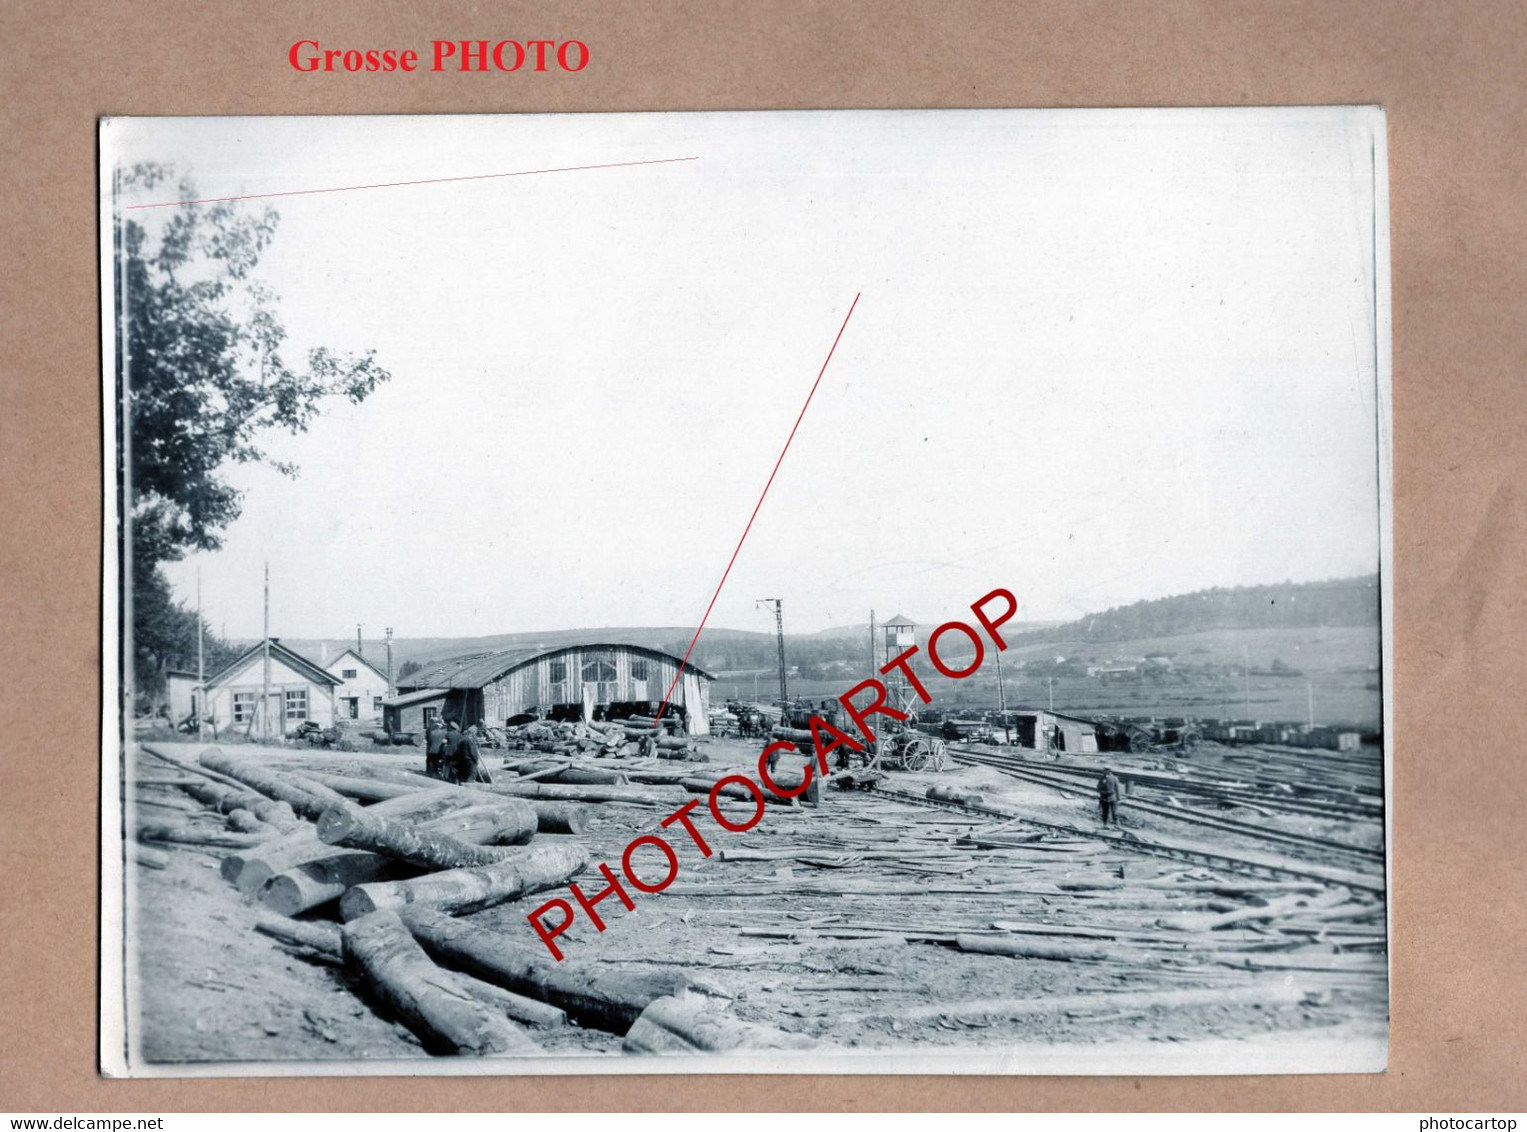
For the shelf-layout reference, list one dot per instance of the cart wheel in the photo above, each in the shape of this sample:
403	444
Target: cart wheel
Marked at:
915	755
938	757
1139	742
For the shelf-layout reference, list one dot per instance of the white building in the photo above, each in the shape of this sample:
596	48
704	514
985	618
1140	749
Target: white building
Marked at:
362	687
299	691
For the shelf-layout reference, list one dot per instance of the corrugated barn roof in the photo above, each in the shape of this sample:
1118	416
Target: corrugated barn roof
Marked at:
481	669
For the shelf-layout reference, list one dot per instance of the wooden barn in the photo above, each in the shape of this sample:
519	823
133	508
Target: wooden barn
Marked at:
562	682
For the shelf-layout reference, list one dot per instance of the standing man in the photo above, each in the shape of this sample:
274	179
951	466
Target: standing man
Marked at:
434	748
464	761
1110	790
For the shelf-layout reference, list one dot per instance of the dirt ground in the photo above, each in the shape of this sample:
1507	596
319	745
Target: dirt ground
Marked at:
834	921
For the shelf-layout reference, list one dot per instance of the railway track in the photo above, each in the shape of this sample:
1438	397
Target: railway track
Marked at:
1195	855
1353	856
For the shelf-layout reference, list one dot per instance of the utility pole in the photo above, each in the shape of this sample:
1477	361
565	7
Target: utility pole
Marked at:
201	675
874	660
779	634
1052	692
265	686
1309	689
1007	730
1246	683
389	660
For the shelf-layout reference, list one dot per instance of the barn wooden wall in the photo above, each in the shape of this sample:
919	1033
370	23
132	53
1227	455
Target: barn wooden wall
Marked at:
531	685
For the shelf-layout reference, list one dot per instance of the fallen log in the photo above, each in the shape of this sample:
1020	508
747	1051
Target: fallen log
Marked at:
223	798
586	776
417	843
315	883
1277	992
703	785
320	938
687	1023
148	857
530	869
1021	948
430	1001
362	789
1273	909
601	997
556	792
185	835
526	1011
305	796
249	871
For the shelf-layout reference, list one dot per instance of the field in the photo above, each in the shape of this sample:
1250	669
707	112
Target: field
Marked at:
1337	668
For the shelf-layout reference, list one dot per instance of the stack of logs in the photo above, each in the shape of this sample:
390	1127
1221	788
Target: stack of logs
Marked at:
639	736
399	856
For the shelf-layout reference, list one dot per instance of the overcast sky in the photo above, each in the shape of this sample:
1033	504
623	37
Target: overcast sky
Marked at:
1099	357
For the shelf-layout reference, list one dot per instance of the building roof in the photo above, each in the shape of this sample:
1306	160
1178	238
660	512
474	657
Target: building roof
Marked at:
420	696
480	669
277	650
901	619
359	660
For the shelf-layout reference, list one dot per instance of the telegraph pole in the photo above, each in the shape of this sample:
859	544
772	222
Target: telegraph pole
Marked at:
265	687
389	660
201	675
779	636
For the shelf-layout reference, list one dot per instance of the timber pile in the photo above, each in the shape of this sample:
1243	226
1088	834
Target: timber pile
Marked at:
638	737
889	910
395	857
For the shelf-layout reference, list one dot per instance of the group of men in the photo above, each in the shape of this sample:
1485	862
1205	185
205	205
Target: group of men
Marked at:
452	754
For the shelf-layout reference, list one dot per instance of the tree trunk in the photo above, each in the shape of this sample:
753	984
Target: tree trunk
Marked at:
315	883
1030	948
685	1023
278	815
308	798
606	998
320	938
526	1011
428	999
556	792
417	844
530	869
251	870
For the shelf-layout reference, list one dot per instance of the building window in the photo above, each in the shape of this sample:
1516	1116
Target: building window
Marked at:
558	671
376	703
243	707
297	704
347	674
638	668
598	671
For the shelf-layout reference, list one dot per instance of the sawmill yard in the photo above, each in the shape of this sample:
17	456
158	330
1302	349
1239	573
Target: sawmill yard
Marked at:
1240	907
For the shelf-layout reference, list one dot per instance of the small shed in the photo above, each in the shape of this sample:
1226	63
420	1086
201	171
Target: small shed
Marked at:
1041	730
413	711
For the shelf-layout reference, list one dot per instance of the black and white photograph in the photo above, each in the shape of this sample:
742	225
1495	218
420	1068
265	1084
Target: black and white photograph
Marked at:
894	591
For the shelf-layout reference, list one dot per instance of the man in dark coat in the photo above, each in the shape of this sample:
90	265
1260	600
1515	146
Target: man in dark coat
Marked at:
1110	790
434	748
463	763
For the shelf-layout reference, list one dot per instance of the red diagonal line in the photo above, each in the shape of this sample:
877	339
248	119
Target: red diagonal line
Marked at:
405	184
806	405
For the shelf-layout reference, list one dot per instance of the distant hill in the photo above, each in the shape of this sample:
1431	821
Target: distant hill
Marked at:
1346	602
1289	605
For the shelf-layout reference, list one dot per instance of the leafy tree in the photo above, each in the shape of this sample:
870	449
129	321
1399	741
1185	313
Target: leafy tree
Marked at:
203	377
409	668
